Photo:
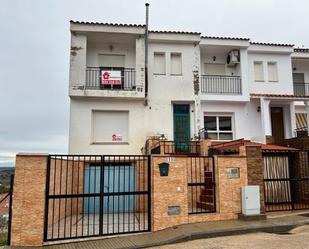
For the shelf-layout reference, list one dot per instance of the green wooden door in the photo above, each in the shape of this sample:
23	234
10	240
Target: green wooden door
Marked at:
182	128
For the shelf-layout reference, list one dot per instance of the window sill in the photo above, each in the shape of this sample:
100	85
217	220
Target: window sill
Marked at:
273	81
176	74
159	74
259	80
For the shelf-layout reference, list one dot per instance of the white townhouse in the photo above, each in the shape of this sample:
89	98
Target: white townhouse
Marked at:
232	87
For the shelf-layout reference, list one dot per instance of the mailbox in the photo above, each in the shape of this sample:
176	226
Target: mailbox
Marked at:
164	168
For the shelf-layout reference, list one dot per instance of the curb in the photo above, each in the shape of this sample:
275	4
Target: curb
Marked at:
277	229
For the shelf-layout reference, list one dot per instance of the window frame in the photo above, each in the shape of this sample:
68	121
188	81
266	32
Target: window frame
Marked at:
263	73
218	131
276	68
154	55
93	140
177	54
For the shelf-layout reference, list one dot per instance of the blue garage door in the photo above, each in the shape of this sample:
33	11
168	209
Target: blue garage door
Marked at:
119	181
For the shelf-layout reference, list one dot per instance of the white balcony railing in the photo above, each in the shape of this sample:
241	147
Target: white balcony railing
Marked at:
93	79
221	84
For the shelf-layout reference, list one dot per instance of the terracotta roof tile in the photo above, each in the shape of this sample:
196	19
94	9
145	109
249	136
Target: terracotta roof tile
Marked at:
174	32
276	95
226	38
188	33
233	146
135	26
109	24
272	44
301	50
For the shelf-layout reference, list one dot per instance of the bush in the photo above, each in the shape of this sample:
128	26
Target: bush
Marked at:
4	189
3	238
3	223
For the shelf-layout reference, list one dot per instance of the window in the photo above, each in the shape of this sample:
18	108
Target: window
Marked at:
272	71
110	126
214	69
258	71
159	63
219	127
176	67
111	60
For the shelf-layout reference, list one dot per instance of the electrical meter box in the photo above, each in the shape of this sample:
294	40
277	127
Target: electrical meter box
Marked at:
250	200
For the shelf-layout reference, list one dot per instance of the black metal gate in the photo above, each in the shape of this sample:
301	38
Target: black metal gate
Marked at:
286	180
201	185
89	196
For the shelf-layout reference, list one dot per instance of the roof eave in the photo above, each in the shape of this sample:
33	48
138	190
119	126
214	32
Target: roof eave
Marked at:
85	27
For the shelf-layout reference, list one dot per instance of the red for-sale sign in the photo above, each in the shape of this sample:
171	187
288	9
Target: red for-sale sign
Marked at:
111	77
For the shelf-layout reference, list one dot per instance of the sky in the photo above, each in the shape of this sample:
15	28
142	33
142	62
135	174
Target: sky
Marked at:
35	43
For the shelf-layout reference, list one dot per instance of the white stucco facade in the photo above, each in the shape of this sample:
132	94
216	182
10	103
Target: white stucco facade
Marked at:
173	58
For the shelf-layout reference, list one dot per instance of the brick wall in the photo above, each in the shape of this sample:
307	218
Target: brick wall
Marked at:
172	190
269	139
28	200
300	170
168	191
301	143
228	191
255	169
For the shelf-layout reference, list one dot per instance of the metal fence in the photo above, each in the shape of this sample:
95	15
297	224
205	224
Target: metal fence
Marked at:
93	79
221	84
6	218
286	180
201	185
301	89
182	147
90	195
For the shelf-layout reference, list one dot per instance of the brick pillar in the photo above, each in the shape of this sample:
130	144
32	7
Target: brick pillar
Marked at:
255	170
29	200
269	139
169	191
229	189
205	144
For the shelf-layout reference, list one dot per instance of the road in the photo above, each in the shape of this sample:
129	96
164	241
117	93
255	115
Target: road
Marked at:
297	238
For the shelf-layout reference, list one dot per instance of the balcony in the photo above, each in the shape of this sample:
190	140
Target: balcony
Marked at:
221	84
122	79
301	89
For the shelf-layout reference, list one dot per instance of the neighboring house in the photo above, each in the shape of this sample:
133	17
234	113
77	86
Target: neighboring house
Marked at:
232	87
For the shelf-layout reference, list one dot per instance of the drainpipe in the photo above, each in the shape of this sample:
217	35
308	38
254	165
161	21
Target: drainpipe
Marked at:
146	54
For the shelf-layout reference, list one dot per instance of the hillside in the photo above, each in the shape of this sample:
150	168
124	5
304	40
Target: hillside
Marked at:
5	178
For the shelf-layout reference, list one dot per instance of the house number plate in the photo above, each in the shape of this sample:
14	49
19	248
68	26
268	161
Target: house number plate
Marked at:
173	210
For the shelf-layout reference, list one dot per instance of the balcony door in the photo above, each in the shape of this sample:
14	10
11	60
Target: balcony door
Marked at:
299	86
112	62
214	69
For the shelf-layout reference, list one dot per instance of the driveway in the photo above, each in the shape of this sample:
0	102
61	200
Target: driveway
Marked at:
296	238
